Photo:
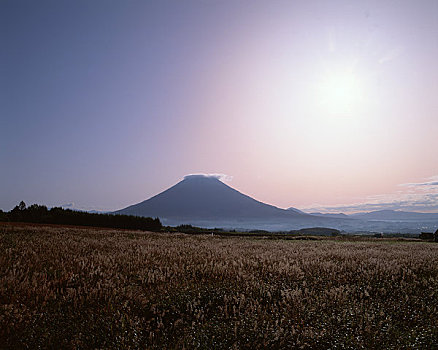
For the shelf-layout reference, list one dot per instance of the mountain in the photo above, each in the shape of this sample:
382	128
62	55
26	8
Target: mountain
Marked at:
201	198
295	210
395	215
329	215
338	215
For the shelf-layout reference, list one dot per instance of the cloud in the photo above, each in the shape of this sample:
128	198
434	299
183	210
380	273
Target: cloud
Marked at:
222	177
430	182
75	206
390	55
68	205
435	183
420	197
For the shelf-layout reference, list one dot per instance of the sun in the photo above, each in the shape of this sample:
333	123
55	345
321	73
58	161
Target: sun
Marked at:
340	94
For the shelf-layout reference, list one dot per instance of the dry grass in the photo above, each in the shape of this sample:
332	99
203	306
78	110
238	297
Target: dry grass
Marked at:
84	288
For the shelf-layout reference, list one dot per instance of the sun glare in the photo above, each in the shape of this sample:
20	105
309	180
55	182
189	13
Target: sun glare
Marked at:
340	94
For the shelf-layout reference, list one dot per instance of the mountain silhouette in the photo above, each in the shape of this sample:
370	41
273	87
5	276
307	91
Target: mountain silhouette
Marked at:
202	197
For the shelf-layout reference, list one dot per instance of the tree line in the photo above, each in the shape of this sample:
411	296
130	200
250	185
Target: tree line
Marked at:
57	215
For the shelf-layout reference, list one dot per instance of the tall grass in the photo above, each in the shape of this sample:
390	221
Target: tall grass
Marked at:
84	288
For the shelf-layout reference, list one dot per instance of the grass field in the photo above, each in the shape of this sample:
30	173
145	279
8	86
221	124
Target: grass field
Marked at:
87	288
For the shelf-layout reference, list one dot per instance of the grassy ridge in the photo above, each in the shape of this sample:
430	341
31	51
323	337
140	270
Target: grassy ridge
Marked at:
83	288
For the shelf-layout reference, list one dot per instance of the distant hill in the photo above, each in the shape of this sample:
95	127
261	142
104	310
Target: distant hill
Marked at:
200	197
320	231
338	215
295	210
329	215
395	215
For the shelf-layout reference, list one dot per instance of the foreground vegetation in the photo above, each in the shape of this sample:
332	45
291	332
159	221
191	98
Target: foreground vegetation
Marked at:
88	288
57	215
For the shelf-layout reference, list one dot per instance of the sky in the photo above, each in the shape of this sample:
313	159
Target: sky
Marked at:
320	105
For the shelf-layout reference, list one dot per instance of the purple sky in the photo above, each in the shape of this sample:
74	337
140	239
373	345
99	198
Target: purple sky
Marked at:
323	105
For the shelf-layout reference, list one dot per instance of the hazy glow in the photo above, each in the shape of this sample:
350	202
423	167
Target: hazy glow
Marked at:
340	94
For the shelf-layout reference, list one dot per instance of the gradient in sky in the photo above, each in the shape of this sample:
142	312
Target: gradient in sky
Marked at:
326	105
